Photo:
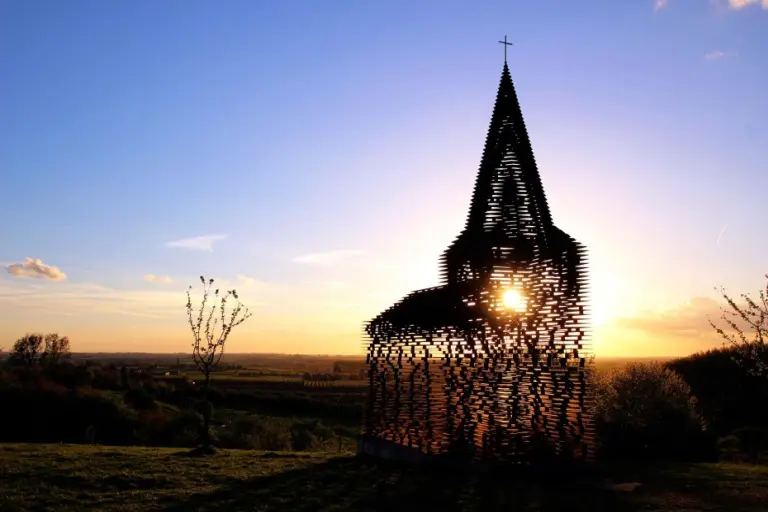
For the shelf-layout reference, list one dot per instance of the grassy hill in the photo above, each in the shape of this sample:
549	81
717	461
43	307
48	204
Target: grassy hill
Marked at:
84	477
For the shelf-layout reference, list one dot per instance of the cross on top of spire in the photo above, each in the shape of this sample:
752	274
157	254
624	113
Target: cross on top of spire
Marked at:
505	43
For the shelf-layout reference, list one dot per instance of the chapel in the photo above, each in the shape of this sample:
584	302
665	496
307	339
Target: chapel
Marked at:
492	364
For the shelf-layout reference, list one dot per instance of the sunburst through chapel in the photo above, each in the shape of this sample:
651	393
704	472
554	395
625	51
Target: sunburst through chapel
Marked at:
491	365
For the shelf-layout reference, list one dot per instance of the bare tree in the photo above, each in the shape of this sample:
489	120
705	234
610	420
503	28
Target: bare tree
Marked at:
210	330
56	349
748	330
28	349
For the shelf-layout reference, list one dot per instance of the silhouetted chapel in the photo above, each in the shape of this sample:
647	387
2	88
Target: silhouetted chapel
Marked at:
491	364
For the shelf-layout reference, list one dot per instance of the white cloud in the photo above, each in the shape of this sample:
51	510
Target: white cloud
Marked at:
327	258
717	54
731	4
35	268
152	278
740	4
198	243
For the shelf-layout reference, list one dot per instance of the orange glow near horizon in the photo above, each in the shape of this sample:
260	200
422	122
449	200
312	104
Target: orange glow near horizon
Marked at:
313	317
341	336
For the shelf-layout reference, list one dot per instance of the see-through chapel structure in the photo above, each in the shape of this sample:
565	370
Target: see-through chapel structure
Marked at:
492	365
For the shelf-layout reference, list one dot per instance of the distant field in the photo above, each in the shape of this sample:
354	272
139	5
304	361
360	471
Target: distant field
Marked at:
233	377
232	380
80	477
613	363
295	364
278	372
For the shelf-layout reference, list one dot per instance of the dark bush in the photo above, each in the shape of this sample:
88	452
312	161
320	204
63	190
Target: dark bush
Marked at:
646	411
729	448
273	437
152	428
71	375
184	428
727	395
140	399
256	434
308	435
304	440
753	442
106	378
35	410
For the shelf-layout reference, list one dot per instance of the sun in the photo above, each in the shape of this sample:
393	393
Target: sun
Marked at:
514	300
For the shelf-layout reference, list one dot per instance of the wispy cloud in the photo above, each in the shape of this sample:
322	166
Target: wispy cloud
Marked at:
688	320
720	236
327	258
717	55
740	4
659	4
89	299
198	243
35	268
162	279
685	320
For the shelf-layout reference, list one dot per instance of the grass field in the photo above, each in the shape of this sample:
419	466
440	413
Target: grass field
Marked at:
75	477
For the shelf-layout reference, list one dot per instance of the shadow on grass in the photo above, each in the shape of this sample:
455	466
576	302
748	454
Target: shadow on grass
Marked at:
358	484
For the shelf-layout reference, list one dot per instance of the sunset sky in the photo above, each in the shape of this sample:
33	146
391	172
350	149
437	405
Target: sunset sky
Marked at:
319	156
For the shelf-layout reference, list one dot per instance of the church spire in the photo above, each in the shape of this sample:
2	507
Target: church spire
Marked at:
508	189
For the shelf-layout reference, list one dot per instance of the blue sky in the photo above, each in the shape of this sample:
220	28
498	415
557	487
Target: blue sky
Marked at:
353	131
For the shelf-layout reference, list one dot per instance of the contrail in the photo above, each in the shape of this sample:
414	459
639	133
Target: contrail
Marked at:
721	234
